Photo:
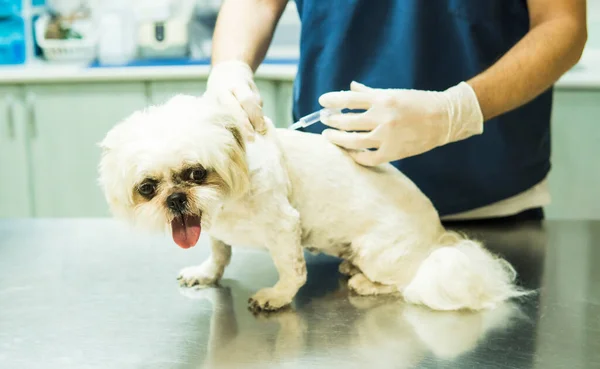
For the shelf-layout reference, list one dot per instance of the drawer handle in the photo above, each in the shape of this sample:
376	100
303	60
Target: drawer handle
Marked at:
31	115
10	116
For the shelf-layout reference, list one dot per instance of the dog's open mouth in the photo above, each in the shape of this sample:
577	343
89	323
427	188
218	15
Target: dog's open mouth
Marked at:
186	230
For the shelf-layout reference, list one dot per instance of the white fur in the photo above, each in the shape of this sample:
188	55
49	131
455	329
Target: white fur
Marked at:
302	191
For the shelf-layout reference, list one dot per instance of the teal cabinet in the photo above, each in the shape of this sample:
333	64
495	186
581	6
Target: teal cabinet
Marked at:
268	92
575	176
67	123
284	104
15	199
49	135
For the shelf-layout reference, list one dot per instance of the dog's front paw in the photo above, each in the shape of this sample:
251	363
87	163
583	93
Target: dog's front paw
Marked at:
269	299
200	275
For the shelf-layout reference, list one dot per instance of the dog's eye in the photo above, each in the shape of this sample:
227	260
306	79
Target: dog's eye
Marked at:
196	175
147	189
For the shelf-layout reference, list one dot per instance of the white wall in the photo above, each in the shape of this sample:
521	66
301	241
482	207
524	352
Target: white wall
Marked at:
593	24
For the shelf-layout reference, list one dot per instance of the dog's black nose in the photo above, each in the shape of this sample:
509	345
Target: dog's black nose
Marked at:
177	201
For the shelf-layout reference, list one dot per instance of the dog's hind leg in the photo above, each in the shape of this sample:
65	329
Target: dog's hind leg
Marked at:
361	285
347	268
386	267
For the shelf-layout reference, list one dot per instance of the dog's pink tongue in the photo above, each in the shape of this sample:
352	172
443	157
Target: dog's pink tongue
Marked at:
186	230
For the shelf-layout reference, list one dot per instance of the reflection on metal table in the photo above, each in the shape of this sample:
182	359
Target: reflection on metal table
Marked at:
92	293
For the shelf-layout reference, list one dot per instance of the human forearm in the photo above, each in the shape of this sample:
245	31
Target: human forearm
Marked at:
244	30
550	49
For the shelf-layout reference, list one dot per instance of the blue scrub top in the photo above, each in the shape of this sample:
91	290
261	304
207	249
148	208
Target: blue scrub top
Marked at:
430	45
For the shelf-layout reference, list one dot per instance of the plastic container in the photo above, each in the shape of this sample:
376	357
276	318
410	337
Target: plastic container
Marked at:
12	41
82	50
117	45
10	7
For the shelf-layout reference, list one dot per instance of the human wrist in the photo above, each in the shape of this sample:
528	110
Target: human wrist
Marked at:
465	118
235	64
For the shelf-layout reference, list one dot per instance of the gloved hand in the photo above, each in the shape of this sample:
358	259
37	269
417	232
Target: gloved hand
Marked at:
232	83
400	123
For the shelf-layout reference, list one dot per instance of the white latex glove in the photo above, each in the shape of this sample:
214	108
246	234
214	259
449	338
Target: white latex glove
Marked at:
232	83
400	123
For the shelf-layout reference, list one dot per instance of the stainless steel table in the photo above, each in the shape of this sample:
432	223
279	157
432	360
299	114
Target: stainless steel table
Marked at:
94	294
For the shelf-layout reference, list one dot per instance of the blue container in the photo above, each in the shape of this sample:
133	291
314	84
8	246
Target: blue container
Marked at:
12	41
10	7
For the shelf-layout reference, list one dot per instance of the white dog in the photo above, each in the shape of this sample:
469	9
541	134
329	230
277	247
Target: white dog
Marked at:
186	164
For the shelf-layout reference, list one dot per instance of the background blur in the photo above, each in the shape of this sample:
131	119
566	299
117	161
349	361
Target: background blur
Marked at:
69	70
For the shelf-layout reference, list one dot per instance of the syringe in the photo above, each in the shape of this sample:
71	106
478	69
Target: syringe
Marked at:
315	117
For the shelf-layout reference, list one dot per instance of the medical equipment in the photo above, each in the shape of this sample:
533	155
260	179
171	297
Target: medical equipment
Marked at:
313	118
163	32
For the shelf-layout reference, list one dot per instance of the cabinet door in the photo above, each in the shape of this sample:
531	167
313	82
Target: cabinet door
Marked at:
15	199
575	177
68	121
161	91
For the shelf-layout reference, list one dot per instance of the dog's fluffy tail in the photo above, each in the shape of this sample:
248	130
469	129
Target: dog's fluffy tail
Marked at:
461	274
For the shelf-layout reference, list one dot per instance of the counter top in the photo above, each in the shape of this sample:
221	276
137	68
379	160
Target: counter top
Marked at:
585	75
92	293
42	72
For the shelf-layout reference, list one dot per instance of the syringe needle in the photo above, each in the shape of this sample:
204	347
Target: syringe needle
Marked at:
313	118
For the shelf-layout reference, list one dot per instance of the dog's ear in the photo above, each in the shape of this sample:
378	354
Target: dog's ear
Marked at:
228	105
237	176
237	135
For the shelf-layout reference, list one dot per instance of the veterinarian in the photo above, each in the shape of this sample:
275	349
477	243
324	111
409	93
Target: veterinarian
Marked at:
457	94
